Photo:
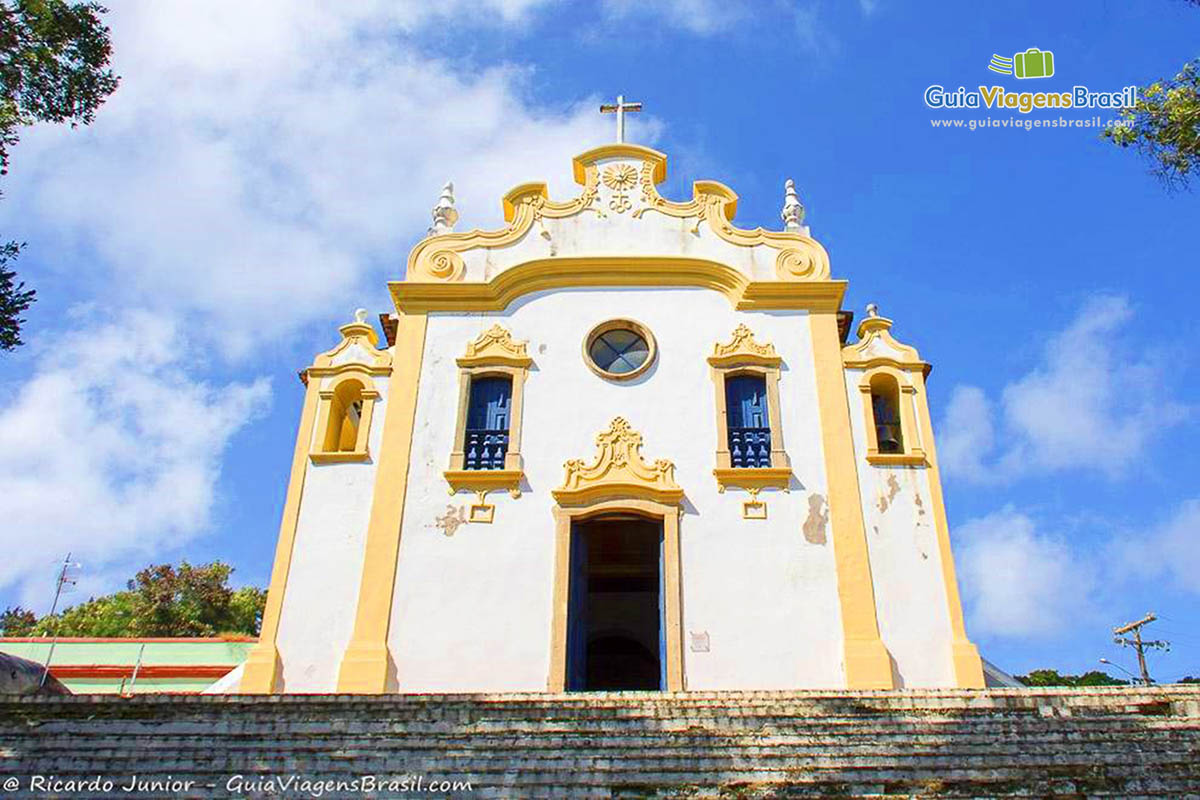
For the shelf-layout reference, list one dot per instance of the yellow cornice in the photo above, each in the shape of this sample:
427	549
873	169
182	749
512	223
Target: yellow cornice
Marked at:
618	471
657	160
557	273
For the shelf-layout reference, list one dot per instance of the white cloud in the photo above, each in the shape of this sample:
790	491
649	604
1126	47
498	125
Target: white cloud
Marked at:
703	17
1019	581
262	167
269	164
1093	402
110	450
1169	551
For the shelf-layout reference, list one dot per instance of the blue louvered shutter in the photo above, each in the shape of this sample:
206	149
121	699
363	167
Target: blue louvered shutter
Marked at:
488	418
748	420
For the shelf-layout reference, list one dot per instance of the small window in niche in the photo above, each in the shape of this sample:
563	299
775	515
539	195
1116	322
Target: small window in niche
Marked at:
885	406
345	416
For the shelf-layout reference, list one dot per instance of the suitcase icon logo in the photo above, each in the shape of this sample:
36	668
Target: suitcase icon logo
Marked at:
1033	63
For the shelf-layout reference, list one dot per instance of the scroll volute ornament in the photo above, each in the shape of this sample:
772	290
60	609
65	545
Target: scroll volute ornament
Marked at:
618	471
743	349
496	346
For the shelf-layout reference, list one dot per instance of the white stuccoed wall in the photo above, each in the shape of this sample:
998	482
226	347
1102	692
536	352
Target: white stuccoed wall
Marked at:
472	612
906	567
327	559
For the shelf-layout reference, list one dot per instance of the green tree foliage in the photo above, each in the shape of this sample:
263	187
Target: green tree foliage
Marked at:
14	298
161	600
53	68
1050	677
17	621
1164	125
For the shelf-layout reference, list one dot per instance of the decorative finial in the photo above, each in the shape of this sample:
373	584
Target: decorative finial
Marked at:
872	310
793	210
444	213
360	316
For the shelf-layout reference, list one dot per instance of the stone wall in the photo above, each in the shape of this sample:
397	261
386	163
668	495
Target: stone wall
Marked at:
1124	742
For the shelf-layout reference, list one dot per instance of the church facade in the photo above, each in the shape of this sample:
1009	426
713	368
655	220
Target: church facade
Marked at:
620	443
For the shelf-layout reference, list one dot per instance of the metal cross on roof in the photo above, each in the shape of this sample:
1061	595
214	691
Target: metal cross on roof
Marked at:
620	107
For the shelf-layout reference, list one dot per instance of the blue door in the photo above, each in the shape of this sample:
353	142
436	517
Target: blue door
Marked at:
488	417
577	616
748	421
662	614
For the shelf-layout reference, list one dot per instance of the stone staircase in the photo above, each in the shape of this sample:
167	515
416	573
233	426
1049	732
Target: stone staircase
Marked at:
1102	742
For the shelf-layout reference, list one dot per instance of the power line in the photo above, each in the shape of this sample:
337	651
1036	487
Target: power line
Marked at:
1139	645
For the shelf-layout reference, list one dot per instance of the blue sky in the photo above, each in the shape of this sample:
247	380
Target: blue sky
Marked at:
263	170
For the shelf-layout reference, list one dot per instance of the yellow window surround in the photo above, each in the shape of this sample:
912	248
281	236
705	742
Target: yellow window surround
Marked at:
334	443
882	358
493	353
912	454
346	375
742	355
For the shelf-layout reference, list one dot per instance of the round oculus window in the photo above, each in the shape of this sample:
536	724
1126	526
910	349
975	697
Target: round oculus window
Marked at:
619	349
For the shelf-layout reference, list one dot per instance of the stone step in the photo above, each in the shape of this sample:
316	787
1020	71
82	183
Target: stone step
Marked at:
748	746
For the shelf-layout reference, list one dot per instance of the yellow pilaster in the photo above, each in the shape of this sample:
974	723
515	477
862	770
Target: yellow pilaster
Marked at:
968	667
365	665
261	672
868	665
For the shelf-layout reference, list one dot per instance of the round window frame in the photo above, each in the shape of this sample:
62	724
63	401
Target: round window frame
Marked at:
621	323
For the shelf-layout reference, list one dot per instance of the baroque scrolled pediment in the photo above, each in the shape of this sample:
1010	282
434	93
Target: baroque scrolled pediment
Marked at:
743	349
496	346
618	470
618	212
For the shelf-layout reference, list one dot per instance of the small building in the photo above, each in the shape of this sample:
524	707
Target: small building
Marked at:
138	666
619	443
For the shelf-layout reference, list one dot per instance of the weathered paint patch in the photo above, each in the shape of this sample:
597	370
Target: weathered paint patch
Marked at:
818	519
454	518
893	485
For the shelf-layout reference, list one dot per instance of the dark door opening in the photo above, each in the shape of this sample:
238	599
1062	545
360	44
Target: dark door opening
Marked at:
614	613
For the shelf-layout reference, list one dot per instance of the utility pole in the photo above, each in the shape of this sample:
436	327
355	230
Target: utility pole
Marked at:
1138	644
64	579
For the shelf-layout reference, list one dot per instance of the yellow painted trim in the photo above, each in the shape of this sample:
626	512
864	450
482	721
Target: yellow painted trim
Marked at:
496	347
563	273
866	660
618	471
743	355
878	330
672	586
897	459
325	413
742	349
754	509
340	457
612	325
755	478
493	352
798	257
262	669
911	439
485	480
366	663
968	667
